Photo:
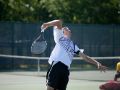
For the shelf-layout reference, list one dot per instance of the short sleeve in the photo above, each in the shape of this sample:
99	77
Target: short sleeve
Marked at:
77	50
57	33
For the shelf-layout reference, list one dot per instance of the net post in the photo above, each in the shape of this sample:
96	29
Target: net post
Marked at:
38	66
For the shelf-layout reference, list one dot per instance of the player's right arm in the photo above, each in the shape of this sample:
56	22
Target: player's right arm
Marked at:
57	23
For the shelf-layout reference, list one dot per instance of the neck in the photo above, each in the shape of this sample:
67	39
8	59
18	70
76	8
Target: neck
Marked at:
66	36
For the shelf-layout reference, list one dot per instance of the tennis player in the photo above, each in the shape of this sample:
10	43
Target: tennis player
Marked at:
62	55
117	75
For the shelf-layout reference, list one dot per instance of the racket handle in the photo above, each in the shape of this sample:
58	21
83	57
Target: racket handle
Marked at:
42	29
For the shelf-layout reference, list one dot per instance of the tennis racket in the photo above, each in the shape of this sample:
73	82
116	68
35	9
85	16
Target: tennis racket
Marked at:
39	45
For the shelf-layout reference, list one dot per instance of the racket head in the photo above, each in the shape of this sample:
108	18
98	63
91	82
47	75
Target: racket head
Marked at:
39	45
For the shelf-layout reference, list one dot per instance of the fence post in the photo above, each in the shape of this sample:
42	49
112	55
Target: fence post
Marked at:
38	66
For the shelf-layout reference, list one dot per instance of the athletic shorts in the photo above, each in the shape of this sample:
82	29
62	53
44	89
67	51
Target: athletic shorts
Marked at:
58	76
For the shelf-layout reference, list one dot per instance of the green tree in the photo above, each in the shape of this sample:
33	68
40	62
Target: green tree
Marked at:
72	11
84	11
22	10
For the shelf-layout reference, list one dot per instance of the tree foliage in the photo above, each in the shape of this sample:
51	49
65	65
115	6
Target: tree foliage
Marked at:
73	11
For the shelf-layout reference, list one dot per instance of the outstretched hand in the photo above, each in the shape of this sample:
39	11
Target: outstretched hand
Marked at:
102	68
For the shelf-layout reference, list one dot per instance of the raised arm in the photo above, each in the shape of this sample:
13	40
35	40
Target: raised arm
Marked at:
93	61
57	23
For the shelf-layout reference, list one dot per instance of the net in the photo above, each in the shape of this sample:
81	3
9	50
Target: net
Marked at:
37	66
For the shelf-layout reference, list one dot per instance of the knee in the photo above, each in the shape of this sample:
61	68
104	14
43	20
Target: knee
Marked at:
50	88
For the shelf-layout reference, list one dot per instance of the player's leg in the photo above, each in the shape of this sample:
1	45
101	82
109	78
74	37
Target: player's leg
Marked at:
64	77
63	83
53	77
58	77
50	88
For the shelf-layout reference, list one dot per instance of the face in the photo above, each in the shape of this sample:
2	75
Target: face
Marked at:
67	32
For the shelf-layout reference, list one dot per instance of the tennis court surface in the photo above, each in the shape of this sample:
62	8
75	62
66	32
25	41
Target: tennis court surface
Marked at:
79	80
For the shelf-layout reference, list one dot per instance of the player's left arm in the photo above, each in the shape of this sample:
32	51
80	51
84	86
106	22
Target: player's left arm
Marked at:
93	61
